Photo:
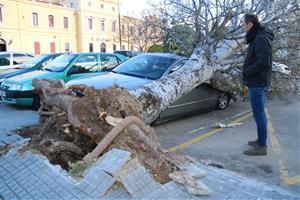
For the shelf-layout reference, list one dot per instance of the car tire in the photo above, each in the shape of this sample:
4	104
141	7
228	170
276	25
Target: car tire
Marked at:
36	102
223	100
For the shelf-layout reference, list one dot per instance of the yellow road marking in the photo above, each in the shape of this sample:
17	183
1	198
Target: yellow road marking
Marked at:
284	175
196	139
205	135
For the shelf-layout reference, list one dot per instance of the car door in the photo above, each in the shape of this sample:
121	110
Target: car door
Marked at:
85	64
199	99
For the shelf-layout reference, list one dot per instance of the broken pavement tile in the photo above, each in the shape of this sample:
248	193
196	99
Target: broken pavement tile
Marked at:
193	186
112	161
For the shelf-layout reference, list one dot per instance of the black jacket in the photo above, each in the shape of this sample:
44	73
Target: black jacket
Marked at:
258	63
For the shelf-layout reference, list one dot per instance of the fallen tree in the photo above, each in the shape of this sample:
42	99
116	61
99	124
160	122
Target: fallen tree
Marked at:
84	120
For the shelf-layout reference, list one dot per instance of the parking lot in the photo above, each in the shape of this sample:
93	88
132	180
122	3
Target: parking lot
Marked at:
198	137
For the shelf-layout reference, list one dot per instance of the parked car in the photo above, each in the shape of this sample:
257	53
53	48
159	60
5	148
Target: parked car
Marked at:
18	89
10	60
128	54
34	64
144	69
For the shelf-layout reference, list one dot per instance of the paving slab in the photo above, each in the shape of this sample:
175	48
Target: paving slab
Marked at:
31	176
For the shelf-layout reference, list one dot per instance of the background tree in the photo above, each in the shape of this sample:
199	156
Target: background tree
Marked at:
179	40
141	33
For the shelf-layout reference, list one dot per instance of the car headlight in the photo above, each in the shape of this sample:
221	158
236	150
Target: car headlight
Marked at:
15	87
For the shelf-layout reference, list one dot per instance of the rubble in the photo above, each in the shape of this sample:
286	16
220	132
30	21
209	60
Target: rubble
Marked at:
282	68
230	125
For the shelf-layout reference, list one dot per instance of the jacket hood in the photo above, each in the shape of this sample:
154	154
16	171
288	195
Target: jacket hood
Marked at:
267	32
259	30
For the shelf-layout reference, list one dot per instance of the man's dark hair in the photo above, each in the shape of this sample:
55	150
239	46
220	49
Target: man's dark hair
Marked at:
251	18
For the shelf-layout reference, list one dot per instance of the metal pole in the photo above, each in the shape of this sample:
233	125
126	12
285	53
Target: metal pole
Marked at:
120	35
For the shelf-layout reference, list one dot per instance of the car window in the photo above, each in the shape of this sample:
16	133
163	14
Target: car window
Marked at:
108	62
45	62
5	56
60	63
85	64
124	53
145	66
33	62
19	55
4	62
178	65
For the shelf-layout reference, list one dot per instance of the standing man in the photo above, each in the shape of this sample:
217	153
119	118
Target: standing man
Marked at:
257	77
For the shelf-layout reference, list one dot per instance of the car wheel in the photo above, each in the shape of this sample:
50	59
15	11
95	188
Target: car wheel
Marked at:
223	100
36	102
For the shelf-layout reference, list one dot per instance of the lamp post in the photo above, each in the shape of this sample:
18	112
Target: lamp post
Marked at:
119	16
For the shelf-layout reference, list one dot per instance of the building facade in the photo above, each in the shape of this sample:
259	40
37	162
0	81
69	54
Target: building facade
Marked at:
44	26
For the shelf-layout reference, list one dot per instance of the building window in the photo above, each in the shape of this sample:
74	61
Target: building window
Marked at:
113	27
51	20
102	25
102	6
131	48
103	47
90	21
66	22
89	4
67	47
114	47
123	29
1	17
35	19
2	45
131	30
37	49
113	9
52	47
91	47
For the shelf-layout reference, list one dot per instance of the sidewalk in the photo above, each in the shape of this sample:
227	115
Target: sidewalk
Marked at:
31	176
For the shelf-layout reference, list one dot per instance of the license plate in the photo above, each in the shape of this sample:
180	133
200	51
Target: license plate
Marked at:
2	93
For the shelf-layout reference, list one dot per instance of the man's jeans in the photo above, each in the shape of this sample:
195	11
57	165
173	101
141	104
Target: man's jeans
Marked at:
257	98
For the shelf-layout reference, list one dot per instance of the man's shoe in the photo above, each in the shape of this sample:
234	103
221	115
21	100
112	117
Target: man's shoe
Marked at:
256	151
253	143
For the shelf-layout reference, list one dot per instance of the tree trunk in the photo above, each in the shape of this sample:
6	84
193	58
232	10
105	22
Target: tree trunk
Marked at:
158	95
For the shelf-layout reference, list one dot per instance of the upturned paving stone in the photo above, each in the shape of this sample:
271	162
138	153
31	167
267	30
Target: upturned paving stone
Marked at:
170	190
112	161
137	181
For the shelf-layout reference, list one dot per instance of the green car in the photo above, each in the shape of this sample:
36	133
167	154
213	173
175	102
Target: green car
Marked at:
18	89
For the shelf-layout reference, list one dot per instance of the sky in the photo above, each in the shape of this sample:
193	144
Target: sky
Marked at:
133	7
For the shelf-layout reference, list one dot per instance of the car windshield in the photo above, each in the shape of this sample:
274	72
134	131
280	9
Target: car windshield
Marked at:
145	66
32	62
59	63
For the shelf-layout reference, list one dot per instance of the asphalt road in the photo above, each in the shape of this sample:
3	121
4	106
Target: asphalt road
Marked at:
198	137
